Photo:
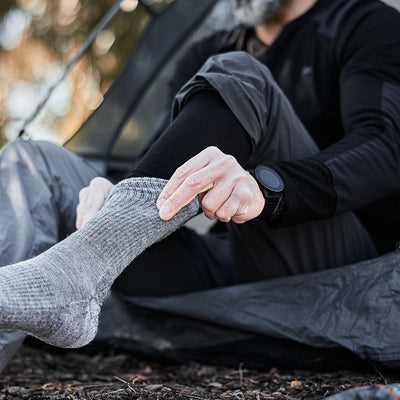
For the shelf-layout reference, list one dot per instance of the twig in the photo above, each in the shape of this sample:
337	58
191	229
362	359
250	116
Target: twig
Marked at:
380	374
237	394
121	380
190	395
127	384
241	374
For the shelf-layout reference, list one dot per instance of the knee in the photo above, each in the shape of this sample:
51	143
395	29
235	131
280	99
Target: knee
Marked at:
19	152
246	86
12	152
240	64
235	59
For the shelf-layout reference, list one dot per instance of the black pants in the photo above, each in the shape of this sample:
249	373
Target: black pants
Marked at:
40	184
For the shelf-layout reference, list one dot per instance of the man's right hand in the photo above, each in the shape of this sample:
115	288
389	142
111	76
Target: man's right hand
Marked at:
92	199
226	191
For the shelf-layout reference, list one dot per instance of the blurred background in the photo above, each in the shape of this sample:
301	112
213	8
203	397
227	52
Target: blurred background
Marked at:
39	37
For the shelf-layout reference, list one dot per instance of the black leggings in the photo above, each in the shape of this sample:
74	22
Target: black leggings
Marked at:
186	261
204	121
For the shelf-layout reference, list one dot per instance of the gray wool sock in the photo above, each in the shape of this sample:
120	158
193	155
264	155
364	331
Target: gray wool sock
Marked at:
57	296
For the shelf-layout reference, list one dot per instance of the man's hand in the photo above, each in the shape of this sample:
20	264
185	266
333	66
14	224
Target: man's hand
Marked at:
91	199
226	191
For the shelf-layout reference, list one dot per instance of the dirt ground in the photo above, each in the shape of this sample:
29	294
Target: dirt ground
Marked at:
41	372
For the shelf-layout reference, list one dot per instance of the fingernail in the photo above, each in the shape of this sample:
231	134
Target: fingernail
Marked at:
165	211
161	201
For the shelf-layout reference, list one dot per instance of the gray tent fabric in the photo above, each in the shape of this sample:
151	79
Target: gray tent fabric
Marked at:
32	205
375	392
354	308
158	43
9	344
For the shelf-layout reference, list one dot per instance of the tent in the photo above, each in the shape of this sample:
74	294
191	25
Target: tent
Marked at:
125	119
339	318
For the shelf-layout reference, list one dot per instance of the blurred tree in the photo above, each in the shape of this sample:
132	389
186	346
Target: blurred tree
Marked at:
5	5
37	37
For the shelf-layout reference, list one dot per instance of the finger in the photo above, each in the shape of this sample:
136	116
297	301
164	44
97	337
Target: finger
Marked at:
232	209
241	206
185	193
212	200
88	216
83	194
227	210
83	210
78	222
198	182
91	200
194	164
100	184
210	215
87	210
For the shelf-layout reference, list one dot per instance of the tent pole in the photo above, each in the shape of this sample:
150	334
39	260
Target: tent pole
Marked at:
89	40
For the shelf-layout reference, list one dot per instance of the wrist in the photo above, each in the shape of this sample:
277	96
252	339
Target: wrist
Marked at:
272	188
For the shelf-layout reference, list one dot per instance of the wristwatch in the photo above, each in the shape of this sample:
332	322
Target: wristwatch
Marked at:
272	187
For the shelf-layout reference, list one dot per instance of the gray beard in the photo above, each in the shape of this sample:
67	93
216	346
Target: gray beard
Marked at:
254	12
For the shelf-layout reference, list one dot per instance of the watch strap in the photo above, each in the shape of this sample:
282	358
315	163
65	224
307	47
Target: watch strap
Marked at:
273	201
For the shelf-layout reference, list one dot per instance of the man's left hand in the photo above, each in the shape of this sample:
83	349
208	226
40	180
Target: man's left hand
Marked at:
226	191
91	200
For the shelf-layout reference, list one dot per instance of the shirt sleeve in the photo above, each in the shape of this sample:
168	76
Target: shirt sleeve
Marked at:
364	166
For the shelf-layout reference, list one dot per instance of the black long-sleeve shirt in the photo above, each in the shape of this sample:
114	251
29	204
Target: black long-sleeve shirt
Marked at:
339	65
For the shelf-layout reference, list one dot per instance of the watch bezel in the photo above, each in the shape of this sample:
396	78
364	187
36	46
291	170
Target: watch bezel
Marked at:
258	175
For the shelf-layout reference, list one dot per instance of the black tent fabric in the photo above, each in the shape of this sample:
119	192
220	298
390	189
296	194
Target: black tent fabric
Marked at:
343	317
375	392
337	318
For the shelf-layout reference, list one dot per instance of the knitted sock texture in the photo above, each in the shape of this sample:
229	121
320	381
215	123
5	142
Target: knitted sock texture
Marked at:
57	295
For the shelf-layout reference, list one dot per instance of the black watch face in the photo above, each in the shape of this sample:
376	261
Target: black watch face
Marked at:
269	178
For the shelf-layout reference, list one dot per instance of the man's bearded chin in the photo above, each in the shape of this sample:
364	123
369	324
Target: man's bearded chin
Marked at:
254	12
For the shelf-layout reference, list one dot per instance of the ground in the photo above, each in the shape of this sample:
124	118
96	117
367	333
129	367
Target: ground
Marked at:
41	372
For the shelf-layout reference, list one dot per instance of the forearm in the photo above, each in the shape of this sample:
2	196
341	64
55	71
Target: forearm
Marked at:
357	171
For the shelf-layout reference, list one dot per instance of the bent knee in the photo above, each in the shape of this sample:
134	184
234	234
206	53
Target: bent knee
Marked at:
238	62
13	152
235	58
23	152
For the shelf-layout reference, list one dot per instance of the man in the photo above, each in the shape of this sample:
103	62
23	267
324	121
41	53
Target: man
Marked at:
237	148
